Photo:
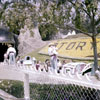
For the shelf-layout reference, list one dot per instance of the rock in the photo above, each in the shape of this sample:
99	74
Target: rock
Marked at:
29	40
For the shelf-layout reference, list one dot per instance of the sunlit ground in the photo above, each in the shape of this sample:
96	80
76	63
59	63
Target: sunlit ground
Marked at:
42	58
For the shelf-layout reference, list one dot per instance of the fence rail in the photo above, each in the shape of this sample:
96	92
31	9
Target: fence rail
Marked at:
59	86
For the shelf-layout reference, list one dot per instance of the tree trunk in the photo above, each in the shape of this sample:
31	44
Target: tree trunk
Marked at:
95	67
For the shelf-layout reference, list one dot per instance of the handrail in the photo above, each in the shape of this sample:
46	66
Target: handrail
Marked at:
43	77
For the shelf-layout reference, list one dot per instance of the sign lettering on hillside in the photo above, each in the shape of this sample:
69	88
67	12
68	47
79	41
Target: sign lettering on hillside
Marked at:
74	47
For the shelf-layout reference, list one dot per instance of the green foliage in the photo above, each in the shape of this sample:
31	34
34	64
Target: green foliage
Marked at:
52	18
85	15
1	99
17	90
60	2
14	88
79	24
98	29
91	5
77	19
51	13
15	18
62	92
47	31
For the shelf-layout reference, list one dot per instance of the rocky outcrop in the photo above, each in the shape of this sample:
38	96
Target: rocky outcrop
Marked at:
29	40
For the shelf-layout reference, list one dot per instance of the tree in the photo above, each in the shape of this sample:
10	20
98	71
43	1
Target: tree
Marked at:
15	14
46	13
52	15
47	31
91	17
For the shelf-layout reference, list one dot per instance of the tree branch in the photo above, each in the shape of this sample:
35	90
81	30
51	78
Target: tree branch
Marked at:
97	34
80	8
86	12
88	34
71	2
97	22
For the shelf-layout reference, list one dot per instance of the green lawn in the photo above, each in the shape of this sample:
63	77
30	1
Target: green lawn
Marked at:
42	58
38	56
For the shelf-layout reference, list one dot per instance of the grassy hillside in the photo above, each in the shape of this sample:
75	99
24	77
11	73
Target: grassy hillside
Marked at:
42	58
38	56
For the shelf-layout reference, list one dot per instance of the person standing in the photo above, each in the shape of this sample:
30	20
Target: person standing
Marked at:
52	51
18	60
11	52
5	58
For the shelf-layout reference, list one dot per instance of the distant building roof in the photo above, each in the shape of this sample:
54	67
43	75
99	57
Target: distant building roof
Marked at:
6	36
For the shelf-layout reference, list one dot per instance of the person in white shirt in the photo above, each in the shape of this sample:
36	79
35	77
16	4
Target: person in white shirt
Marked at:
11	52
34	61
52	51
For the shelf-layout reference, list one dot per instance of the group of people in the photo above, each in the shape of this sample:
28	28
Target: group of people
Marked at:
9	56
54	64
50	64
43	66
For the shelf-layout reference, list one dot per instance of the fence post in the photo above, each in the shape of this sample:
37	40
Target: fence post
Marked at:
26	87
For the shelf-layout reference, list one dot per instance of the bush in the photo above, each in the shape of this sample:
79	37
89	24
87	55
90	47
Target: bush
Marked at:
63	92
14	88
47	31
